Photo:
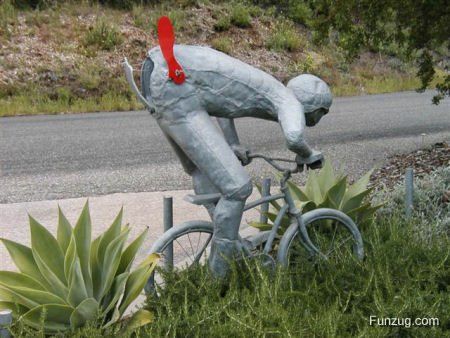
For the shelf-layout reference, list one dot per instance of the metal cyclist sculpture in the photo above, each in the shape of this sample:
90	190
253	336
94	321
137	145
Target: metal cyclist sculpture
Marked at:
184	86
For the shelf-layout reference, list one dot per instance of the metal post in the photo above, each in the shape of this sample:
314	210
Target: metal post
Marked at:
265	191
168	224
5	322
409	185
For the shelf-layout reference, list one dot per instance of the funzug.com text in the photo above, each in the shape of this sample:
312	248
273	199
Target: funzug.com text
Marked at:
404	322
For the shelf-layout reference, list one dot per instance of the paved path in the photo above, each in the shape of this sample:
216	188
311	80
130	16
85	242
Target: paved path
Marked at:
67	156
141	210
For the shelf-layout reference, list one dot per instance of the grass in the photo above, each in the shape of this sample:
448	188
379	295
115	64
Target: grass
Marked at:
8	16
400	277
223	23
240	16
103	35
222	44
285	38
42	104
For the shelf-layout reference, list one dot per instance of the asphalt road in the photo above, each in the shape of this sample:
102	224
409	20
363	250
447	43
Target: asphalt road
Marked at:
64	156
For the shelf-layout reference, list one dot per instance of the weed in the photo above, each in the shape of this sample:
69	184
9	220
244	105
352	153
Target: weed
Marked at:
286	37
64	102
222	24
177	16
223	44
305	65
8	16
325	299
299	12
240	16
103	35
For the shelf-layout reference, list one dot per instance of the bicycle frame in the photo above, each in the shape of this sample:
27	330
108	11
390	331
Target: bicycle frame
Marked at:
288	208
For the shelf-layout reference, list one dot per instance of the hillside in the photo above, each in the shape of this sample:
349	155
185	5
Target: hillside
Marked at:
66	58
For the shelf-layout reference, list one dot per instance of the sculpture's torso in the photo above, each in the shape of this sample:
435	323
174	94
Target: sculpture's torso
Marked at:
220	84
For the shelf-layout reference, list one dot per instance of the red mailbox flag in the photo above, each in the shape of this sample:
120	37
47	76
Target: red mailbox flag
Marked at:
166	39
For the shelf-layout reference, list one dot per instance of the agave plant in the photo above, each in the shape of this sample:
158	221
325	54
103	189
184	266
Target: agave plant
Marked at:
67	281
326	189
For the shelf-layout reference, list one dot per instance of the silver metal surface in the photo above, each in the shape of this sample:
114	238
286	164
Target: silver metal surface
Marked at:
409	193
265	191
168	224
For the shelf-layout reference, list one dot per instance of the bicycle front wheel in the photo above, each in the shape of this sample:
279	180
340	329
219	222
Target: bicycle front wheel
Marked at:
181	247
334	235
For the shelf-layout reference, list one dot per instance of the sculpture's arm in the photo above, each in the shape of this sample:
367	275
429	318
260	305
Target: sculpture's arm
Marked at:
292	122
231	136
229	131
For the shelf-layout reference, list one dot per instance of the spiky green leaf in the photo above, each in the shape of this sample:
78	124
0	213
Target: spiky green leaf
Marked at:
56	317
64	231
334	196
82	233
326	178
137	280
28	297
130	253
111	263
11	278
47	247
139	319
109	235
56	285
312	188
69	259
114	294
23	259
87	311
77	287
358	187
261	226
95	266
355	201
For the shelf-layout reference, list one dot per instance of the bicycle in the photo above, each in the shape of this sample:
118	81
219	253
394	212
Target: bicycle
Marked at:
290	250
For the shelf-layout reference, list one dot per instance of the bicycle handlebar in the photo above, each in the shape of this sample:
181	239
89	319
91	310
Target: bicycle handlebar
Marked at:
271	161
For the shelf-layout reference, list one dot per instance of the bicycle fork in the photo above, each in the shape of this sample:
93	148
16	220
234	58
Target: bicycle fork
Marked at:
296	216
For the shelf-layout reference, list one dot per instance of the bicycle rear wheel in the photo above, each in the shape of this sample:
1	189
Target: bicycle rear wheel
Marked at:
334	235
190	244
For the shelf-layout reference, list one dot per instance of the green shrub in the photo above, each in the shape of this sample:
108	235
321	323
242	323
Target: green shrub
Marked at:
223	44
306	65
299	12
400	277
240	16
103	35
325	189
222	24
285	37
68	281
8	16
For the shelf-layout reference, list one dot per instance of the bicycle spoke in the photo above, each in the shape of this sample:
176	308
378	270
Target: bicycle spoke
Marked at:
192	248
182	247
199	255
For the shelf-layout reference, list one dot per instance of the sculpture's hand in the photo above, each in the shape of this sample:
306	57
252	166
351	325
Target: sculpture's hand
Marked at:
242	153
314	161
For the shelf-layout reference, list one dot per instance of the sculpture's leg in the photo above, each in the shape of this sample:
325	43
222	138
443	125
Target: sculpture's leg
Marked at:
206	147
202	185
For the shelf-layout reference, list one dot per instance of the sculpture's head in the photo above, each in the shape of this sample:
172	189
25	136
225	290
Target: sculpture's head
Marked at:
314	94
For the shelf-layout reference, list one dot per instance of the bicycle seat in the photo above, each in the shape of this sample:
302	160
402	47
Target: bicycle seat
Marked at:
202	199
